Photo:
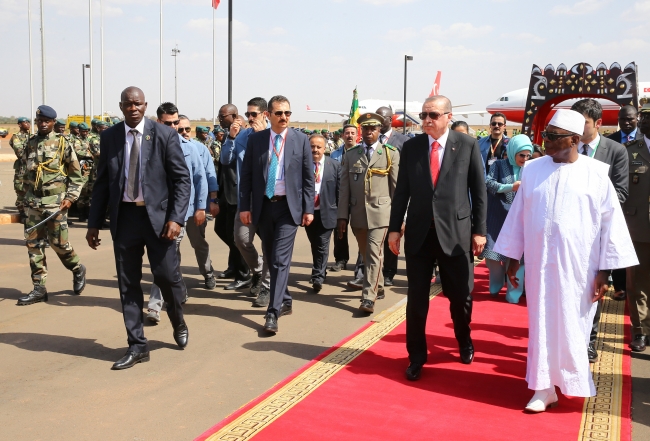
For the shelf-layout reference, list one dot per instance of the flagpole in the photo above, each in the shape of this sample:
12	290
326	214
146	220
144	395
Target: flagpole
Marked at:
90	45
31	67
43	55
161	51
214	68
230	51
101	65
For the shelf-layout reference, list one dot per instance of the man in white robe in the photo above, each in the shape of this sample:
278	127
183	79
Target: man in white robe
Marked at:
567	221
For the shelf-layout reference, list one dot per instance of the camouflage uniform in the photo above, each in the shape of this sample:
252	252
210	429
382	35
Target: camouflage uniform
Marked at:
214	147
18	143
52	174
85	150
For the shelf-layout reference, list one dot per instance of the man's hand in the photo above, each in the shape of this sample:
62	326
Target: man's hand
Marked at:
394	239
214	209
258	125
171	230
478	243
234	128
245	217
65	204
92	237
513	267
601	285
199	217
307	219
515	186
341	225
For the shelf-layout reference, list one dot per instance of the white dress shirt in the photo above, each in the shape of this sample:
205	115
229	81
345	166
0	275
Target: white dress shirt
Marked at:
372	148
386	136
127	160
279	173
590	147
318	184
441	150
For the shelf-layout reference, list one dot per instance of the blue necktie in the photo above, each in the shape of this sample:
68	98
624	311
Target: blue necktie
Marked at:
273	168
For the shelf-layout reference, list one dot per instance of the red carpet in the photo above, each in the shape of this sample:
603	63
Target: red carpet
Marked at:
369	399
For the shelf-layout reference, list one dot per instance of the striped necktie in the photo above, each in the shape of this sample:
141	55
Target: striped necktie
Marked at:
273	167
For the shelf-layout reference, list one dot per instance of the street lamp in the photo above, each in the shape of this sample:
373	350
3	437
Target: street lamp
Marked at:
407	58
83	75
175	52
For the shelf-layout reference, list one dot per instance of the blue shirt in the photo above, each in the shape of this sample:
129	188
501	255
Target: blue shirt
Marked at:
627	138
208	165
337	155
199	189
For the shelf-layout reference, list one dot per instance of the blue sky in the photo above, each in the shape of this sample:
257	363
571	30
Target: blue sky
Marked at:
313	52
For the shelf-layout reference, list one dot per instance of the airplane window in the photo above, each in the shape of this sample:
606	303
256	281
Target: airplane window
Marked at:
506	98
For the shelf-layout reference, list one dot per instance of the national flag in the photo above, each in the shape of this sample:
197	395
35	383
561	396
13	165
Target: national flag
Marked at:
215	3
354	113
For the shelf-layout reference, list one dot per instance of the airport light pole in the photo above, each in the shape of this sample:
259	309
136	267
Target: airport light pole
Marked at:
83	76
175	52
407	58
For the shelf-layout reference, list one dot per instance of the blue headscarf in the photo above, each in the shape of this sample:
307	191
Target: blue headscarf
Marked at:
517	144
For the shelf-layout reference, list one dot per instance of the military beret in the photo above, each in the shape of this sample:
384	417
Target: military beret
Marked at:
201	129
645	108
46	112
83	126
324	131
218	129
115	120
101	123
370	119
22	119
59	122
93	121
73	124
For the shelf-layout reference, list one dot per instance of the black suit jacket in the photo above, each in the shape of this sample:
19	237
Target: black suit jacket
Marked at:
166	182
458	205
298	174
615	154
397	139
616	136
329	192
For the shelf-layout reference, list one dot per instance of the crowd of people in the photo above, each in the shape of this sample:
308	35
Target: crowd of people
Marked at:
575	208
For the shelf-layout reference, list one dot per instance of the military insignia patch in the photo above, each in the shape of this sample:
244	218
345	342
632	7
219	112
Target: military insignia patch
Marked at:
634	155
148	138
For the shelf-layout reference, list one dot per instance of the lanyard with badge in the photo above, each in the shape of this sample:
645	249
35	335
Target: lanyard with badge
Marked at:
492	160
595	148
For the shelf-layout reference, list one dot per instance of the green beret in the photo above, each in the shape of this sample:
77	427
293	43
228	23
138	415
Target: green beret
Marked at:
370	119
93	121
60	122
218	129
101	123
22	119
201	129
324	131
83	126
73	124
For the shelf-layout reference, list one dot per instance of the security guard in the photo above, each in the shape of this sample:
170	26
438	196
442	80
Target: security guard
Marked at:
52	182
368	180
18	143
637	214
59	126
85	148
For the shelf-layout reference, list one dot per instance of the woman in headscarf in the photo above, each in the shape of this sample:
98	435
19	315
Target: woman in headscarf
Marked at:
502	184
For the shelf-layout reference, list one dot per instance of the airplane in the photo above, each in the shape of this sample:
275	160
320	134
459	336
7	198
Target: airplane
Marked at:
413	108
513	105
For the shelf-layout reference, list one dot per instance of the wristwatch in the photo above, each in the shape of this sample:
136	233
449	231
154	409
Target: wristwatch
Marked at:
214	200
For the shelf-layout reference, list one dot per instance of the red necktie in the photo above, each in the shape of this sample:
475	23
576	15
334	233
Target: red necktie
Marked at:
434	163
317	179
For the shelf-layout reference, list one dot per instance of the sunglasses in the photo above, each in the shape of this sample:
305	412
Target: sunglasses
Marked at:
220	117
184	129
279	113
433	115
524	155
495	124
172	123
253	114
550	136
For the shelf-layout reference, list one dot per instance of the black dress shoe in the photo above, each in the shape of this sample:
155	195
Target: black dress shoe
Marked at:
367	306
388	281
639	343
130	359
271	324
239	284
181	335
79	280
413	372
317	286
285	309
356	284
227	274
467	354
38	294
592	353
256	284
210	282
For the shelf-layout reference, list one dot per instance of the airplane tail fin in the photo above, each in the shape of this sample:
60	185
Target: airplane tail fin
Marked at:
308	108
436	85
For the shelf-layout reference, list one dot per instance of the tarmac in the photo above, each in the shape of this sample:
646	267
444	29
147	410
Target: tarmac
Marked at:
55	357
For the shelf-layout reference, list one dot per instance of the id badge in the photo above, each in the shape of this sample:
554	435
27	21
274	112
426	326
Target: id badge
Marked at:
491	161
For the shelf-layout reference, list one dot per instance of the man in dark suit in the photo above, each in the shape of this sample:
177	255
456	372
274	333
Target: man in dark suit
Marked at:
144	182
441	174
613	153
281	203
627	121
327	179
396	139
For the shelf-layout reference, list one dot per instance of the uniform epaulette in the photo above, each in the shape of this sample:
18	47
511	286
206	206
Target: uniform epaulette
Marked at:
355	147
390	147
630	143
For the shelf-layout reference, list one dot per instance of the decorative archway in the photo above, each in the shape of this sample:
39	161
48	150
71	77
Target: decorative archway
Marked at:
550	86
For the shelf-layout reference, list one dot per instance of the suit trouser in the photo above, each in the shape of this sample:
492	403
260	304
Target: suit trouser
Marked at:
457	283
155	296
618	278
638	290
244	236
371	247
390	262
341	246
278	231
196	235
319	238
134	234
224	226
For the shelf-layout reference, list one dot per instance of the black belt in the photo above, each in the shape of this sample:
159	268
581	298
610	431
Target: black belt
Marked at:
135	204
276	198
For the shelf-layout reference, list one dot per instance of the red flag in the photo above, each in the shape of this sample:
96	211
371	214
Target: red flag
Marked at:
215	3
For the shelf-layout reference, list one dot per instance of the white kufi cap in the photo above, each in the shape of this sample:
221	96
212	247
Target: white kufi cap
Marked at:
569	120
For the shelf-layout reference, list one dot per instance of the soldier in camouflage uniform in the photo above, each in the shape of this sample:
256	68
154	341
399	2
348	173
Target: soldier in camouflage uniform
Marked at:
59	126
17	143
52	182
86	159
214	148
74	129
329	144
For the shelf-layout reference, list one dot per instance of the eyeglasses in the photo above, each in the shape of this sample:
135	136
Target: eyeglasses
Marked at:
172	123
184	130
550	136
524	155
433	115
279	113
221	117
253	114
495	124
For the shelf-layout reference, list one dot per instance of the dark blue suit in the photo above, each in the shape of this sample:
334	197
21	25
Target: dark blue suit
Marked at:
277	221
166	188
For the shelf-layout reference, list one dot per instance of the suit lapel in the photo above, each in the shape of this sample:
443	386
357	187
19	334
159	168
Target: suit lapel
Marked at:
148	139
450	155
376	155
643	150
288	151
601	152
264	156
424	160
121	143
